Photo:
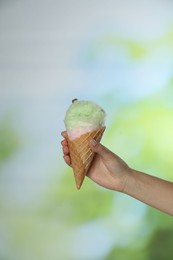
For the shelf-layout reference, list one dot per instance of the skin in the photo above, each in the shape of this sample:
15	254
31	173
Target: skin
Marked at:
111	172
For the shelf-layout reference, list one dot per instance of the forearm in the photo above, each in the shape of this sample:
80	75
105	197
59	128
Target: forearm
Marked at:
151	190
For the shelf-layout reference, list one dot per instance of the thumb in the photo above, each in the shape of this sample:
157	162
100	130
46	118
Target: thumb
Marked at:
100	149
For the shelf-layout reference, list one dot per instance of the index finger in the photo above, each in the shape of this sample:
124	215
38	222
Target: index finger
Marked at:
64	134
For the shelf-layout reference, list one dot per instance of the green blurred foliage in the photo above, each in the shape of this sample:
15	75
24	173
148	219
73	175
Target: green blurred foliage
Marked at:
142	133
135	49
127	253
31	236
157	245
9	140
65	202
160	245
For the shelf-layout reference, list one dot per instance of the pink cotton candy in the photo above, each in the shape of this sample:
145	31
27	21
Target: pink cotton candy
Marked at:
79	131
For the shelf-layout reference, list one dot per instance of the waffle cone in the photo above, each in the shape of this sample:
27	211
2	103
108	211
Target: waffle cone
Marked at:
82	155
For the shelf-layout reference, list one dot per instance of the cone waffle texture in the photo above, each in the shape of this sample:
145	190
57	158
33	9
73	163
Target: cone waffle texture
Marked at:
82	155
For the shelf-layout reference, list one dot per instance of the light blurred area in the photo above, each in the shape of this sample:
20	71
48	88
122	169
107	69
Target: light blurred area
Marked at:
118	54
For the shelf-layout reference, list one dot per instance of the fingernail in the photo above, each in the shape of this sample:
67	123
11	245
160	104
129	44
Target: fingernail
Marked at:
93	142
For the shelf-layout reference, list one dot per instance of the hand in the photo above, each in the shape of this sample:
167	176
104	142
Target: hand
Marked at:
110	171
107	169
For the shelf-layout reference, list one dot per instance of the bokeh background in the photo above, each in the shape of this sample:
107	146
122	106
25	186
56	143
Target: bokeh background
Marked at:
118	54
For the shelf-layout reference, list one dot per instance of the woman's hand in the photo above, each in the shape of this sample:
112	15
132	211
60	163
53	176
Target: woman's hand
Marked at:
111	172
107	169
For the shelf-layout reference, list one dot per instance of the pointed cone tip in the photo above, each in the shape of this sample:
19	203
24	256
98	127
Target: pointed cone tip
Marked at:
78	185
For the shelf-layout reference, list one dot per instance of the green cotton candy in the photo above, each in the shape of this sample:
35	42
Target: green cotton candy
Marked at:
83	114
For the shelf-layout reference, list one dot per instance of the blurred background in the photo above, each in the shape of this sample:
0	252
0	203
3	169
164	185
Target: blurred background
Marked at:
118	54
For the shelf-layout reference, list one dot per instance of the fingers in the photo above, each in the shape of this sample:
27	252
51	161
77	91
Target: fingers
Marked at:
64	134
64	143
67	159
65	148
100	149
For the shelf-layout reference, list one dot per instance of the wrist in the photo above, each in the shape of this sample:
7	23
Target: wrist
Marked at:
129	181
